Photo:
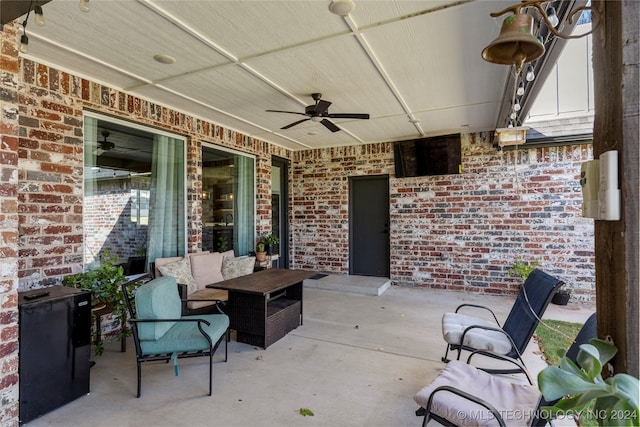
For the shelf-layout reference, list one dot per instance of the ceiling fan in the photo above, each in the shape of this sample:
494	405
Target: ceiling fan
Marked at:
319	112
104	145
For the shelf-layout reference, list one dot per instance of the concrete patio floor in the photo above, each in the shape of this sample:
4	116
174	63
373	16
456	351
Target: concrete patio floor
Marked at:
357	361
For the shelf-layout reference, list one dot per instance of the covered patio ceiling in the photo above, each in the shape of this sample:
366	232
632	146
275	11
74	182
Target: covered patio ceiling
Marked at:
413	66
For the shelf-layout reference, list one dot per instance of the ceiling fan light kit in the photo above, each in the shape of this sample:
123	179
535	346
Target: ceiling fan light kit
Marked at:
319	112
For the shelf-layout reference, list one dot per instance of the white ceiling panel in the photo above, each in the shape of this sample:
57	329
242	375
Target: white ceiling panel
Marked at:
456	120
397	60
76	64
339	69
126	34
426	60
248	28
233	90
382	129
365	14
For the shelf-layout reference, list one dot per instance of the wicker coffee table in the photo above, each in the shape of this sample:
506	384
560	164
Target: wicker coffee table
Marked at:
266	305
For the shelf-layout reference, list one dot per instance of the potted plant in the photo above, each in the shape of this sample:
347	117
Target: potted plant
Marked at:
104	283
562	296
614	400
261	253
523	268
270	241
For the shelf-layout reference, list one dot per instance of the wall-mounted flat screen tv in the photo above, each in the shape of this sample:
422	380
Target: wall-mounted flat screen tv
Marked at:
438	155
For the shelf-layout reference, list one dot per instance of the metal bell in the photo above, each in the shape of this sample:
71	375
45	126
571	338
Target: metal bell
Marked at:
516	43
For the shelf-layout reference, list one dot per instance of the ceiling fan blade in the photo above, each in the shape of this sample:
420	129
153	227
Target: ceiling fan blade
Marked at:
349	116
329	125
322	107
294	123
289	112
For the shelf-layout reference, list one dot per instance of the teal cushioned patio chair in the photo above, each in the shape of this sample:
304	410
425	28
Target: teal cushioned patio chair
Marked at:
462	332
160	332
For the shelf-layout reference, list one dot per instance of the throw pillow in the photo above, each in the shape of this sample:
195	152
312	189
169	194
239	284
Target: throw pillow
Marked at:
207	269
236	267
181	270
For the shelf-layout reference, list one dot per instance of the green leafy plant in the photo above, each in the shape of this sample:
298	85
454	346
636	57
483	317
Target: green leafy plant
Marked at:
104	282
222	243
523	268
141	251
269	239
260	247
615	400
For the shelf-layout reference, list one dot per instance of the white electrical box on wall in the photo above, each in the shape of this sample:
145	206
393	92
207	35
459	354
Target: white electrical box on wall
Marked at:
599	182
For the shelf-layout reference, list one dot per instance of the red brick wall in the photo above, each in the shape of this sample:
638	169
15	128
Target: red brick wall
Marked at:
458	232
51	156
9	89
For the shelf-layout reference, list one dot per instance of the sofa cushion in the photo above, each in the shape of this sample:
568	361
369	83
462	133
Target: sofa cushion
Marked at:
157	299
207	269
164	261
181	270
238	266
206	294
228	254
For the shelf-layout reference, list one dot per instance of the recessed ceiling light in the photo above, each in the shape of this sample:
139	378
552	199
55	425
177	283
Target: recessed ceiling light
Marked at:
164	59
312	133
342	7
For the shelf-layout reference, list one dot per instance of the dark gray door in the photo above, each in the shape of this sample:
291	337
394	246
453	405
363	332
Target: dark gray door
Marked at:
369	225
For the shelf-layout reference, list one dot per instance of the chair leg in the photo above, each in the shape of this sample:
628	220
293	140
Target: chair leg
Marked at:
139	378
226	345
210	371
445	359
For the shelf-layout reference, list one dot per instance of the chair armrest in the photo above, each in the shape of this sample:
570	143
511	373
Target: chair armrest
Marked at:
469	397
492	355
218	302
479	306
206	322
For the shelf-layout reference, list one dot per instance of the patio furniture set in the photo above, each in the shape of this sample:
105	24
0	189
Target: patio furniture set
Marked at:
261	307
264	306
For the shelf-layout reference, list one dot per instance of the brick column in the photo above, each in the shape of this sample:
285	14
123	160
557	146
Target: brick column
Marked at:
9	236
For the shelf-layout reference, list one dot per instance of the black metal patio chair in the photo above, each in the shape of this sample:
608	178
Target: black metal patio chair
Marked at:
463	332
462	395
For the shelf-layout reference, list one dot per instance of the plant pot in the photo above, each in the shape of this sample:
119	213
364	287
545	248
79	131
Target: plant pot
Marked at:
561	298
261	256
